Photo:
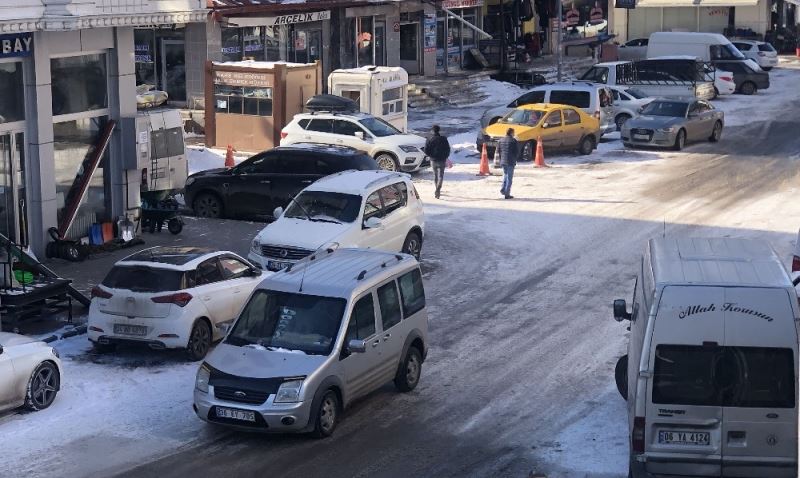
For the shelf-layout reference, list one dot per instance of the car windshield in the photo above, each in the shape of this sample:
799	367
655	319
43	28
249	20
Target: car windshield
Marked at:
523	117
325	206
144	279
665	108
638	94
284	320
379	127
597	74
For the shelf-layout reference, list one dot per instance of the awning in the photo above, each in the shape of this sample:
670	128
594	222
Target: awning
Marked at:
697	3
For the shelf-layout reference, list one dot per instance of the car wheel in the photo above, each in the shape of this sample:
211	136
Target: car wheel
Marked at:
199	341
42	386
620	120
387	162
680	141
327	415
409	372
716	93
104	348
528	151
208	205
766	68
748	88
627	145
621	376
716	134
586	146
412	245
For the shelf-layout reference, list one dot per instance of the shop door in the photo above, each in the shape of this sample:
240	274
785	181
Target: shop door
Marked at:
173	69
307	46
13	217
409	47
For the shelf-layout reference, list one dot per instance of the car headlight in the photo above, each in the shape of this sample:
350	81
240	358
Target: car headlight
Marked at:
256	247
289	392
201	381
189	181
667	130
407	148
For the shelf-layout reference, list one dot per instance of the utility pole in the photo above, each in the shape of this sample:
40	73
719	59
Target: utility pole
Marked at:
559	13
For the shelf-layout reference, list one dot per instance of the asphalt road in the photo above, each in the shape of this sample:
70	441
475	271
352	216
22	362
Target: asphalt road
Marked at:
522	340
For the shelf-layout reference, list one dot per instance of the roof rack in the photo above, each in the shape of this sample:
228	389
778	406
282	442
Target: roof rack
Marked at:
361	275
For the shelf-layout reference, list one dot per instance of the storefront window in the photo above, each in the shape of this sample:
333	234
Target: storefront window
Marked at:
364	41
79	84
145	51
274	38
231	47
380	42
247	101
348	55
253	42
12	96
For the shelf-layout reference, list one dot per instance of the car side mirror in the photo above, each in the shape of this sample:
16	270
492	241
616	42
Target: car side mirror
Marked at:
359	135
621	310
276	213
356	346
254	272
373	223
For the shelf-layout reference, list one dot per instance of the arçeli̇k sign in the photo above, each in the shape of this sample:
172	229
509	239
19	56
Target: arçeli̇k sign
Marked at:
18	44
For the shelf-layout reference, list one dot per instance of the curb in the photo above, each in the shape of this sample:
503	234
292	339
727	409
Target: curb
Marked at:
79	330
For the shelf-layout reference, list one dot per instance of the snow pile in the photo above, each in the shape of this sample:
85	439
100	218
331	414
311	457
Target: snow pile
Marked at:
498	92
201	159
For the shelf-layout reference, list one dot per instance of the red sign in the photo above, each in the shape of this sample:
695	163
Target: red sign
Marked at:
396	27
573	17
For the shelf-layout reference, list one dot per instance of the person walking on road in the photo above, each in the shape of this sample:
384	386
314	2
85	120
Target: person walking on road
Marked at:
438	149
508	147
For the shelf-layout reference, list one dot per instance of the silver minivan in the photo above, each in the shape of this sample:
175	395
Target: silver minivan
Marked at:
710	377
314	337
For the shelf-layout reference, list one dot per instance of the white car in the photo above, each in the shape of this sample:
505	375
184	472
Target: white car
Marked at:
365	209
30	373
761	52
627	103
392	150
723	83
170	297
635	49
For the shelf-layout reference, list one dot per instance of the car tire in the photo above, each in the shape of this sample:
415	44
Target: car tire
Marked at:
387	162
680	140
621	119
208	205
621	376
104	348
528	151
586	146
199	341
327	415
407	377
716	133
175	226
748	88
627	145
43	386
766	68
413	245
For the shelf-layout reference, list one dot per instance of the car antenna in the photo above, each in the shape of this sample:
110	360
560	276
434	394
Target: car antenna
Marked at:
303	275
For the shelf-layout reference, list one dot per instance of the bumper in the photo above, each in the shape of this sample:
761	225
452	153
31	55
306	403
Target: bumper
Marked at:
726	89
262	262
767	62
657	139
162	333
413	162
608	129
270	417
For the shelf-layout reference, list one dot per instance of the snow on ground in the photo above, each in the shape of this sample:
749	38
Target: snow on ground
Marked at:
739	109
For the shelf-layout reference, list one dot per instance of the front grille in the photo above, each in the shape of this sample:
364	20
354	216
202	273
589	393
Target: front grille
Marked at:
232	394
284	253
641	131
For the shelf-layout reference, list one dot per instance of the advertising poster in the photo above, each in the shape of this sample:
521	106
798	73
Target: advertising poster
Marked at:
430	32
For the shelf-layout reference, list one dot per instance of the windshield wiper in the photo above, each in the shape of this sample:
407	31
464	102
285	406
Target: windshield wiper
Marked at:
322	219
294	200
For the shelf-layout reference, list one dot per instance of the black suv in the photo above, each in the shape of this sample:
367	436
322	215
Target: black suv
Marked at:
748	81
267	180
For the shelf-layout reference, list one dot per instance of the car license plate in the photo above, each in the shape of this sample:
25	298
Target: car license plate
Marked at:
641	136
684	438
122	329
234	414
277	265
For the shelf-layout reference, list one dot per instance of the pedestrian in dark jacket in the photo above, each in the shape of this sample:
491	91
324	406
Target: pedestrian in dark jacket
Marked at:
508	148
438	149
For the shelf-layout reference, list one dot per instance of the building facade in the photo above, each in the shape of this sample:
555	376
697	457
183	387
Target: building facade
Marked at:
67	68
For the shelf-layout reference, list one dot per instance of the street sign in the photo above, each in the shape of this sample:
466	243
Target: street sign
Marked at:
629	4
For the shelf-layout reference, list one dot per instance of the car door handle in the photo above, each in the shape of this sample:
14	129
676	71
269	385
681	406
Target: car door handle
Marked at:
376	343
387	337
306	181
264	182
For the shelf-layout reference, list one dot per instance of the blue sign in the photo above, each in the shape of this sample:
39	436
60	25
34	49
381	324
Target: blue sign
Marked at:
629	4
17	44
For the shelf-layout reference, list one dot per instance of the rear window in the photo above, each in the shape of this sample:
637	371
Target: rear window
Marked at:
765	47
597	74
578	99
748	377
638	94
144	279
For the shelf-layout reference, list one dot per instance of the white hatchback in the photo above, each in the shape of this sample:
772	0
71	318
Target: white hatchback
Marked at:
30	373
170	297
365	209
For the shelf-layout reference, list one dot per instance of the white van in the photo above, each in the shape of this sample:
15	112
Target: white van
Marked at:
710	376
706	46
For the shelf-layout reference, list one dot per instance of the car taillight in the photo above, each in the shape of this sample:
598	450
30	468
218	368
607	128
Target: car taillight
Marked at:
637	435
180	299
100	293
726	78
796	264
597	114
761	53
284	134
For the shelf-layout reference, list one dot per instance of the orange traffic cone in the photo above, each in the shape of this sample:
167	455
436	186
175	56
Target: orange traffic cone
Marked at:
484	170
229	163
540	154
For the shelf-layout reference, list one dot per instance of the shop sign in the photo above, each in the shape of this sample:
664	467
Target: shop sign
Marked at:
451	4
430	32
630	4
241	78
298	18
15	45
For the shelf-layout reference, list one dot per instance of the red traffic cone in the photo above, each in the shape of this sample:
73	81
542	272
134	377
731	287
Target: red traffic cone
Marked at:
229	163
484	169
540	154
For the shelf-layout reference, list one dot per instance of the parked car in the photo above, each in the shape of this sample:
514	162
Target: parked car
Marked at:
314	338
671	76
748	80
558	126
707	47
170	298
673	123
392	149
761	52
627	103
635	49
366	209
710	376
268	180
30	373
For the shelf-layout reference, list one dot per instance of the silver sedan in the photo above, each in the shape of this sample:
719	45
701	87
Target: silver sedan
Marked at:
30	373
672	123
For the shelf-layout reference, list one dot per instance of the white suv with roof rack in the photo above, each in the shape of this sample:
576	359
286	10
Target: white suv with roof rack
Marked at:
392	150
366	209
